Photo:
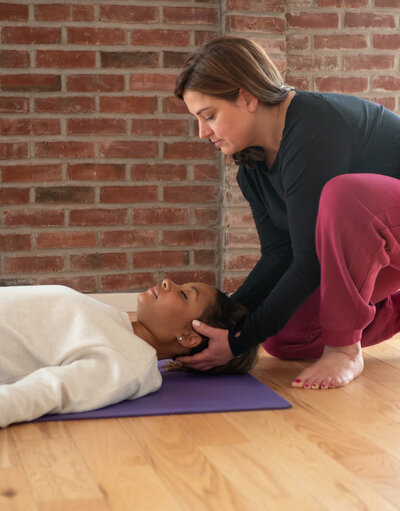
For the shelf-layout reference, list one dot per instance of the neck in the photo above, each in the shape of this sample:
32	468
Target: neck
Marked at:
164	350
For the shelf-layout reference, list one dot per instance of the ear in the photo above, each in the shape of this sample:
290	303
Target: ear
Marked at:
189	339
247	99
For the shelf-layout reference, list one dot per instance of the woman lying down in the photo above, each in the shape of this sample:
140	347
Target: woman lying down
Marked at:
62	351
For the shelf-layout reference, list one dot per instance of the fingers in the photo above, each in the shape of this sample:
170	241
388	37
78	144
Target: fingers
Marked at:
204	329
200	361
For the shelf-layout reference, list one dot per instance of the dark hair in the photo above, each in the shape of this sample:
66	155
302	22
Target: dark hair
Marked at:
224	313
222	67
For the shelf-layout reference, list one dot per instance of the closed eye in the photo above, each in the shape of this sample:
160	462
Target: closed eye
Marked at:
184	295
209	118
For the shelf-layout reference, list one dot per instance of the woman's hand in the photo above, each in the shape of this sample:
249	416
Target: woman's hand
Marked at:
218	352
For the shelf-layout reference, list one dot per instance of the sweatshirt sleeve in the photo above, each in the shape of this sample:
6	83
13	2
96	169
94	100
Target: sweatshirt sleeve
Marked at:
98	379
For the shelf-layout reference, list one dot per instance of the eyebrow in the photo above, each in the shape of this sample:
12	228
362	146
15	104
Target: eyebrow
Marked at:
202	110
197	291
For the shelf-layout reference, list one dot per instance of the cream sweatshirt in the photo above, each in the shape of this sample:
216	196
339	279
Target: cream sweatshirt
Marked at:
62	351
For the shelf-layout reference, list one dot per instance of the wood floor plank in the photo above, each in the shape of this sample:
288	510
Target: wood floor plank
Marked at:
15	493
127	481
183	467
289	448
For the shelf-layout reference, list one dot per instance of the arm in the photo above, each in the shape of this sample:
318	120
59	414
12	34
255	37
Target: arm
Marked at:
100	379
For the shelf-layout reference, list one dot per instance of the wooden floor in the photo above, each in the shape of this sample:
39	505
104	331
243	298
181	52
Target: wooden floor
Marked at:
334	450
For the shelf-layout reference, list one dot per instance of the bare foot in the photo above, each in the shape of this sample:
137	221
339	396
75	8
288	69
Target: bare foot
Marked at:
337	367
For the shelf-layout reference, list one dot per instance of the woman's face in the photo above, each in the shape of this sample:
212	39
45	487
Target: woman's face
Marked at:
229	125
169	309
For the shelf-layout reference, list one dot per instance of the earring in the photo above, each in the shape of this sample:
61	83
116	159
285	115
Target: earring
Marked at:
179	339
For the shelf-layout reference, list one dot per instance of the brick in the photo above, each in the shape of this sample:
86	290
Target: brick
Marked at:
13	150
65	105
391	4
158	172
368	20
96	126
273	44
191	150
96	172
127	239
312	62
191	194
129	14
31	35
30	173
128	149
160	37
151	82
128	59
64	195
159	127
204	36
33	218
128	104
30	83
33	264
257	5
268	24
15	242
313	20
65	59
95	83
386	41
298	82
346	84
173	105
82	12
298	42
98	217
89	35
99	261
53	12
160	259
62	239
240	261
190	15
364	62
191	237
205	257
68	149
129	194
342	41
16	12
206	172
10	127
231	283
242	240
208	217
175	59
14	196
84	284
14	58
180	277
128	282
340	4
236	219
160	216
13	105
386	83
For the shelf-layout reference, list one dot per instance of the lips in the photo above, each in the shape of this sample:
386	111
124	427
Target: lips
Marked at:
154	291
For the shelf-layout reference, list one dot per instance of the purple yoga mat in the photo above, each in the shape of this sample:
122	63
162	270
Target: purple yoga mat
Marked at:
183	393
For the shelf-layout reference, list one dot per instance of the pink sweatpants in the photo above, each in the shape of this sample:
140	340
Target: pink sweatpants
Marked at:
358	246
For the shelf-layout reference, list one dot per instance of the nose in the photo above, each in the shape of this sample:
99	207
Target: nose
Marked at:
204	129
168	284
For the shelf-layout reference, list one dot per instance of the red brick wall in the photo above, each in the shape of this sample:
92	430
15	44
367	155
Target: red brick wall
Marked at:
104	185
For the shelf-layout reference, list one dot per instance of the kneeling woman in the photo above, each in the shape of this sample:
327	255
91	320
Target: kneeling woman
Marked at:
63	351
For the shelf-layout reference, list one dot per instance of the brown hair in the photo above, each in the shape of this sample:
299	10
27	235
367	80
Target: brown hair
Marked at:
226	64
224	313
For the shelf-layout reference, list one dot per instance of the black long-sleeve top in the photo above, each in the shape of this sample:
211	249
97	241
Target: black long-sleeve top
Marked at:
325	135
